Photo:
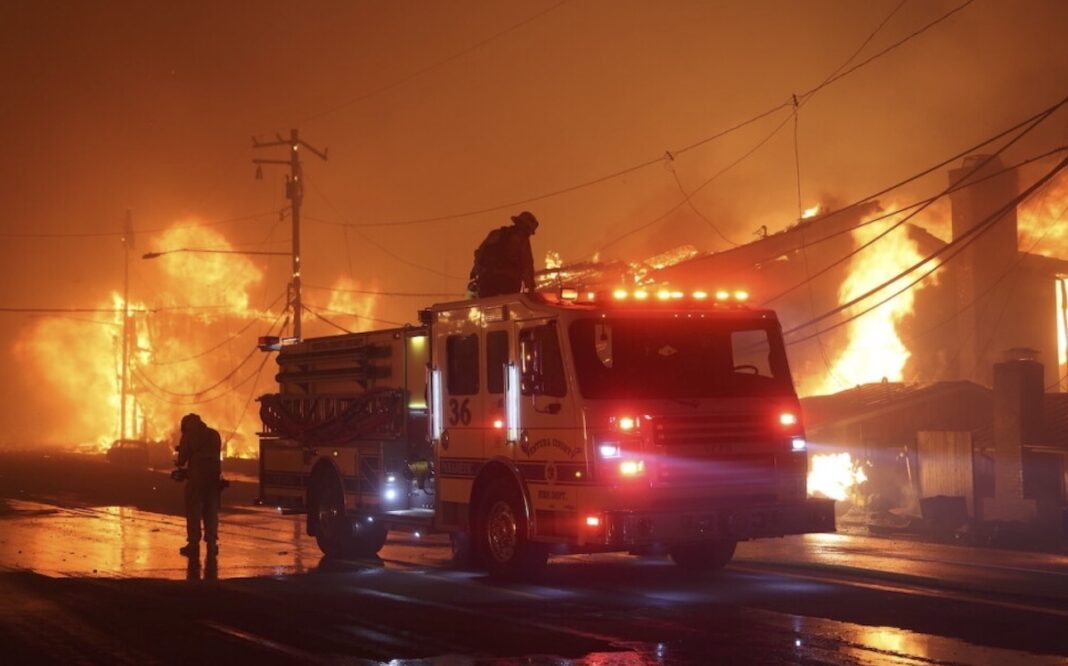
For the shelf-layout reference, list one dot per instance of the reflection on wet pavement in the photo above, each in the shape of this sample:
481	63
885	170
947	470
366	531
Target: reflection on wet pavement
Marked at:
129	542
614	600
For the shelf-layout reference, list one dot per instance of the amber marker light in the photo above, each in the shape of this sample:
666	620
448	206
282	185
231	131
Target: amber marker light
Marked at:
700	295
498	423
627	423
641	295
741	295
663	294
631	467
620	294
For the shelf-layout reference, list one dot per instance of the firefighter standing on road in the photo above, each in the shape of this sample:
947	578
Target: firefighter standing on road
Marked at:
504	263
199	454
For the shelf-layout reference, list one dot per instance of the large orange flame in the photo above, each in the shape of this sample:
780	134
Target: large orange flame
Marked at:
874	350
191	350
834	475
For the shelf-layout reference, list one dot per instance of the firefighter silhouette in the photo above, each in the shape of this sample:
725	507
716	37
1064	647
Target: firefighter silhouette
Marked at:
504	263
199	454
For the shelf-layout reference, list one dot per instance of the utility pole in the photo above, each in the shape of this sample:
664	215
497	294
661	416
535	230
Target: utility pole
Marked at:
127	242
295	194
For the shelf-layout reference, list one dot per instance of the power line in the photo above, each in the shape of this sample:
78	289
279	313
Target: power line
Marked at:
374	292
679	151
207	351
957	245
199	393
689	202
687	197
959	186
328	321
248	401
987	159
867	41
101	234
201	401
320	309
888	49
440	63
967	306
388	252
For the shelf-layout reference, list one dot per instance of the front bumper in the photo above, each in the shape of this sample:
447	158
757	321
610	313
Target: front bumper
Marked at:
636	528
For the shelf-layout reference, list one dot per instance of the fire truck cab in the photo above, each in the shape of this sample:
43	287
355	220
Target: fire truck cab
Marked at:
532	424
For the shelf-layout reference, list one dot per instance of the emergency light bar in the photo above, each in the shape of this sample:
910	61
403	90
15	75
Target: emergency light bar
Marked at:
275	343
658	294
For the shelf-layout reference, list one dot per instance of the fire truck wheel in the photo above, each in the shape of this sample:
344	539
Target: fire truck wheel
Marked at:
704	555
333	528
501	534
336	533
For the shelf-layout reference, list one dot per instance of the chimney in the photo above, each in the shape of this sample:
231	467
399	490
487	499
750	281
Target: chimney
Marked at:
973	274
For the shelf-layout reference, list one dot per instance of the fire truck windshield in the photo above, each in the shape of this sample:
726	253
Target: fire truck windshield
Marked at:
649	358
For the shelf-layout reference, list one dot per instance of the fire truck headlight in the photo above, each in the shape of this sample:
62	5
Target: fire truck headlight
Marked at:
798	444
609	450
631	467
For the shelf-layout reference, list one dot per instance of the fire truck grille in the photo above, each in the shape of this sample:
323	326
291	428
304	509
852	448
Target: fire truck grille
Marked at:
728	430
738	472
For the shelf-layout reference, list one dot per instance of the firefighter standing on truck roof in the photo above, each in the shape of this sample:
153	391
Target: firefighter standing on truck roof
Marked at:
199	453
504	263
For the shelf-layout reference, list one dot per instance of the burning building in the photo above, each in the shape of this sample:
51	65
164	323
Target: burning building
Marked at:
940	372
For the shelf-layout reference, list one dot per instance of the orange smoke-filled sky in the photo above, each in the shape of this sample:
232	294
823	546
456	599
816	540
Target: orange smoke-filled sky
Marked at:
431	109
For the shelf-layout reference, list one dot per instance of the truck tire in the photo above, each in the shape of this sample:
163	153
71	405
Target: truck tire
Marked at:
501	534
336	533
703	555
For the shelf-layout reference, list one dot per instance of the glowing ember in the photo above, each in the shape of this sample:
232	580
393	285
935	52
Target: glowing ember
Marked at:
874	351
834	475
553	260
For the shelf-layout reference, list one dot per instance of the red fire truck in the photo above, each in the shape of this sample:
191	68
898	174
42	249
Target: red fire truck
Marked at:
532	424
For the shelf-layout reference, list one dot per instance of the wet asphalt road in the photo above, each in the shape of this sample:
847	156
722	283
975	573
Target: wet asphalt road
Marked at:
86	580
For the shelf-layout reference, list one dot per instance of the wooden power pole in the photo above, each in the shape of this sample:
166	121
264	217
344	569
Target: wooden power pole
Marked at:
295	194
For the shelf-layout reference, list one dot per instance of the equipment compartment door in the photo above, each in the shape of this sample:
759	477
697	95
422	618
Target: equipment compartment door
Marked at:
282	478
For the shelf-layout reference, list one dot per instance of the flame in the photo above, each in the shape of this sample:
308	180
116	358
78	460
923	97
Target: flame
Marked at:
348	297
811	212
174	351
874	351
834	475
1040	220
1042	230
553	260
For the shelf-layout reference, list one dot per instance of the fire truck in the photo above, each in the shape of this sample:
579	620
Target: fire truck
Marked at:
534	424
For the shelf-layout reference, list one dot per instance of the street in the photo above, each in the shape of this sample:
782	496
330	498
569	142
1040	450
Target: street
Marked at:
85	582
